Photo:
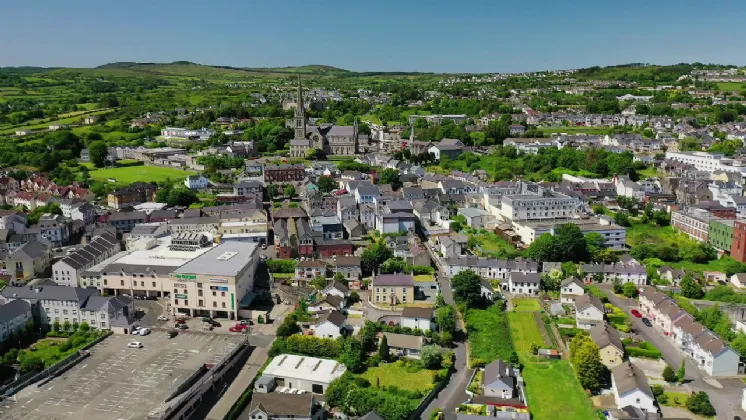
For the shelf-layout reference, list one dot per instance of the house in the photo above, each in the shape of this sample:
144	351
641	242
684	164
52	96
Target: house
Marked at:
517	130
327	304
332	324
673	275
275	405
139	192
610	347
524	283
365	194
28	260
589	311
349	267
392	289
336	289
500	380
125	221
13	316
476	218
309	269
405	345
570	289
196	182
712	355
631	388
738	280
249	189
486	289
418	318
310	374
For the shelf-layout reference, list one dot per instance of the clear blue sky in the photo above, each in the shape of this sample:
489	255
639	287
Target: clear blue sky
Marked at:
382	35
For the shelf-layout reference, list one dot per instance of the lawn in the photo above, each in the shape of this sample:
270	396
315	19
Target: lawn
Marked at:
48	350
526	305
649	173
731	86
489	334
552	390
494	246
676	399
424	278
36	124
132	174
398	375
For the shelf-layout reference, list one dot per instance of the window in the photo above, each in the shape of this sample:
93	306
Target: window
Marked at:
199	292
186	303
222	294
201	303
176	301
121	282
214	293
176	290
223	304
106	282
153	284
214	304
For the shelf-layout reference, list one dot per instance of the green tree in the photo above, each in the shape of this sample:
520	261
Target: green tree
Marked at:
390	176
445	317
182	196
352	354
497	131
84	327
289	191
431	357
514	358
466	288
31	363
383	349
690	288
288	327
56	326
699	403
374	256
98	152
622	219
66	326
739	344
617	286
326	184
273	190
319	282
586	360
571	242
314	154
544	248
630	290
668	374
681	374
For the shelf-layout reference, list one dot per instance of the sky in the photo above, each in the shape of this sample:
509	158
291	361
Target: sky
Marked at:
447	36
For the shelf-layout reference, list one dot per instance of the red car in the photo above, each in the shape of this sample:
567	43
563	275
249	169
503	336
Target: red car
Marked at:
238	328
636	313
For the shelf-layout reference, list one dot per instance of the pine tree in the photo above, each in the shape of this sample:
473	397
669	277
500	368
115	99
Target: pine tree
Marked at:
681	374
383	349
669	375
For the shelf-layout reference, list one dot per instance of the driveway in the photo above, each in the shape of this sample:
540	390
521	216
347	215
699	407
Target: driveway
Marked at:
151	310
725	399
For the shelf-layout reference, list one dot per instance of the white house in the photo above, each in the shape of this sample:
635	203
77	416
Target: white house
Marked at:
336	289
631	388
738	280
570	289
713	356
196	182
589	311
365	194
306	373
330	325
13	316
417	318
524	283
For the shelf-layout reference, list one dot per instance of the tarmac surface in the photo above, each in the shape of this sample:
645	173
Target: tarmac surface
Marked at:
116	382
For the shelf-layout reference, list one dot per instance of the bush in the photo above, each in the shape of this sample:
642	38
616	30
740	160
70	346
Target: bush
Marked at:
699	403
653	353
280	266
668	374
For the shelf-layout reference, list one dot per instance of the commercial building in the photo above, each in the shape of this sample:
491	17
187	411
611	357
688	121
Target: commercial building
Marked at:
215	282
615	236
738	246
720	234
543	205
309	374
707	162
694	222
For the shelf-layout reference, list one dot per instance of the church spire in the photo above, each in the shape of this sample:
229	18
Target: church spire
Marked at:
300	113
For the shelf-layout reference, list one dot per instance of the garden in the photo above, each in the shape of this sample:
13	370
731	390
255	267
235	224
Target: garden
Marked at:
641	349
489	335
617	318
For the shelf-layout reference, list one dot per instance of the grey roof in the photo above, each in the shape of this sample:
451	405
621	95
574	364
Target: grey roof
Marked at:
604	335
97	303
587	300
499	374
415	312
226	259
486	284
371	416
628	377
347	261
128	215
144	229
205	220
282	405
28	251
13	309
368	190
59	293
393	280
335	317
572	279
517	277
404	341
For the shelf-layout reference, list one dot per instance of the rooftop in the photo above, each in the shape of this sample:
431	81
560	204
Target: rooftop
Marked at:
305	368
226	259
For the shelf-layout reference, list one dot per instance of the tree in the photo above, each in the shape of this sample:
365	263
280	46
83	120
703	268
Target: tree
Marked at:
496	132
98	153
84	327
681	374
690	288
273	190
630	290
431	357
585	359
390	176
739	344
289	191
514	358
617	286
374	256
445	317
181	196
544	248
314	154
383	349
622	219
668	374
326	184
699	403
288	327
56	326
31	363
571	242
466	288
352	354
319	282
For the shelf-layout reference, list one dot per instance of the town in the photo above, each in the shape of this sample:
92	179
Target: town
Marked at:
310	243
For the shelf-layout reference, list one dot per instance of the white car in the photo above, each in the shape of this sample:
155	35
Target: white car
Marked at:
144	331
135	345
135	330
162	318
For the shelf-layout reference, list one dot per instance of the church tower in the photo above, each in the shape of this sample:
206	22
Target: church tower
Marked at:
299	122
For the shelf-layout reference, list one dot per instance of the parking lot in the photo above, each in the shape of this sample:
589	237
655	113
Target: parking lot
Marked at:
117	382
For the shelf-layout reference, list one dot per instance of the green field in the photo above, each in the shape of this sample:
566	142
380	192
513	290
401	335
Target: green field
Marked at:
495	246
489	334
731	86
526	305
36	125
552	390
132	174
394	374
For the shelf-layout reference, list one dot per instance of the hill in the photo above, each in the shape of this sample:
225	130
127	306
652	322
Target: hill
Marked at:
642	73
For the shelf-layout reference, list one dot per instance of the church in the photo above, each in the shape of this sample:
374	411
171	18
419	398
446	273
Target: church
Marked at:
330	139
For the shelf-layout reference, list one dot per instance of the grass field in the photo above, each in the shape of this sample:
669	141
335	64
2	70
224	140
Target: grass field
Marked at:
489	334
495	246
526	305
649	173
552	390
32	125
132	174
395	374
424	278
731	86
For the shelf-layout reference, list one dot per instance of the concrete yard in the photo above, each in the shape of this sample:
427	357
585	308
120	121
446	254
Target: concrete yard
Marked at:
116	382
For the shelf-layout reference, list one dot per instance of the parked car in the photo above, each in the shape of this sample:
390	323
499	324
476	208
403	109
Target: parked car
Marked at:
238	328
181	326
135	345
162	318
636	313
206	326
144	331
152	298
647	322
135	330
172	334
264	246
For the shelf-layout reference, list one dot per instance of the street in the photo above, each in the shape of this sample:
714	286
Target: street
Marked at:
725	399
454	392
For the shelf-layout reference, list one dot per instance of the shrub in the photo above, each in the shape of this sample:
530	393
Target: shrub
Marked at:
699	403
281	266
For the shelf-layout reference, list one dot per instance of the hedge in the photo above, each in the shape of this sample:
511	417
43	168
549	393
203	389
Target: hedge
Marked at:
280	266
643	349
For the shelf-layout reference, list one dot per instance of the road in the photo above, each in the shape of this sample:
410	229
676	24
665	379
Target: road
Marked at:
726	400
454	392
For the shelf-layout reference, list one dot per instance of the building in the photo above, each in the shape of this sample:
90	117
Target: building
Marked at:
196	182
608	273
332	324
67	271
738	280
349	267
544	205
476	218
707	162
50	304
610	347
614	236
570	289
589	311
720	234
712	355
13	316
125	221
283	173
500	380
28	260
139	192
201	134
283	406
404	345
418	318
305	373
694	222
392	289
631	388
246	188
738	246
450	148
524	283
215	282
